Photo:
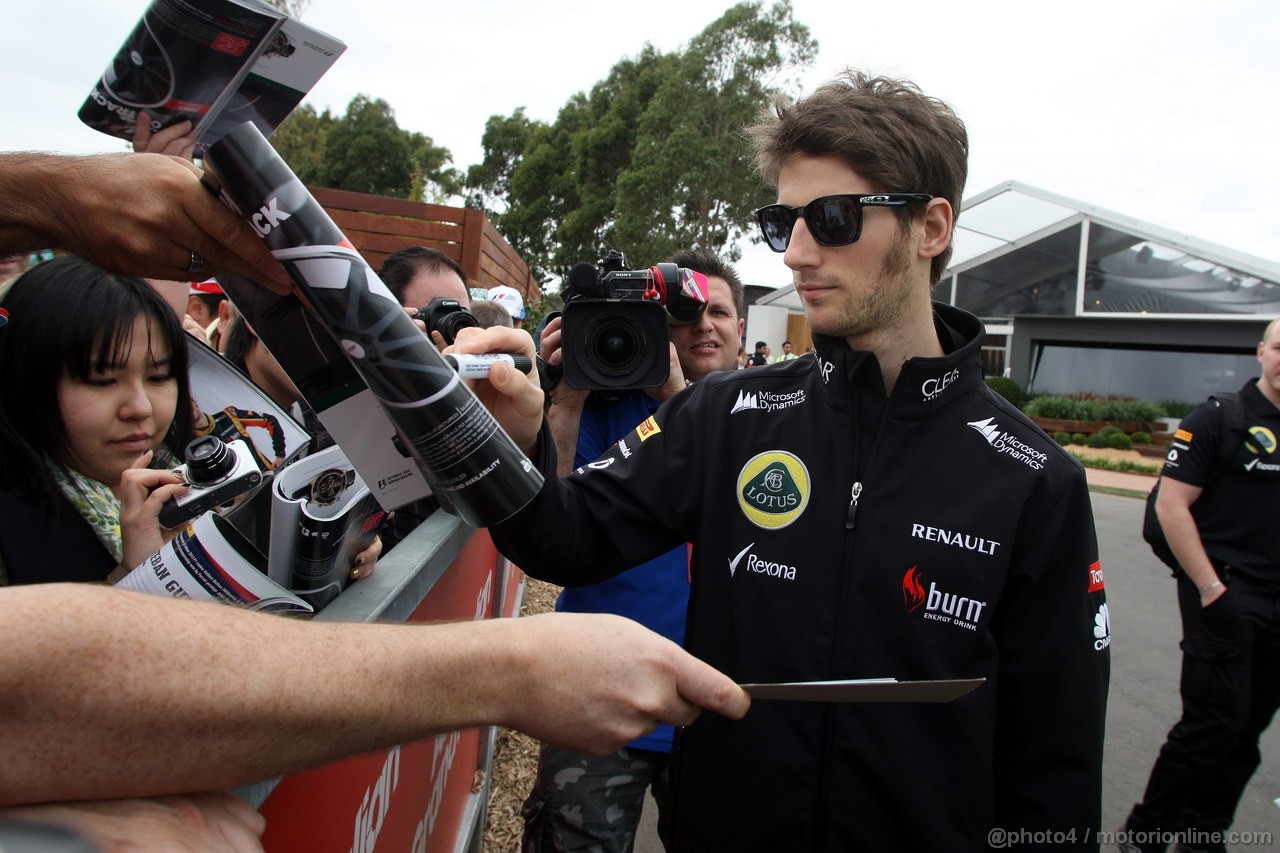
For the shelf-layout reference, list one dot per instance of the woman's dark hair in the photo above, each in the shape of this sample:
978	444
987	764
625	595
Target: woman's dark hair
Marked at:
68	317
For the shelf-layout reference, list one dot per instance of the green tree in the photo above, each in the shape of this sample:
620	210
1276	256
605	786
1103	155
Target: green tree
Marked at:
692	180
301	141
434	180
652	158
561	188
488	184
366	151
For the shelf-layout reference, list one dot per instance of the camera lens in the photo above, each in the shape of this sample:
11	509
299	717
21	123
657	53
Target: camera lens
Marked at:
446	316
208	460
615	346
451	323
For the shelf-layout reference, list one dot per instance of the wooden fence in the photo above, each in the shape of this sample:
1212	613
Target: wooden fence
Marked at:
378	226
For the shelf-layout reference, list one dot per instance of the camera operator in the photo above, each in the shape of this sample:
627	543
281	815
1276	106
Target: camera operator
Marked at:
654	593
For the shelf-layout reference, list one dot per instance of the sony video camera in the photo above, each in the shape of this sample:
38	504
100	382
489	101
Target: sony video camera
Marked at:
217	472
614	326
446	316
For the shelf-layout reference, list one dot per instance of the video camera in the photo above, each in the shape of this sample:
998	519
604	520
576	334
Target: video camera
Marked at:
614	326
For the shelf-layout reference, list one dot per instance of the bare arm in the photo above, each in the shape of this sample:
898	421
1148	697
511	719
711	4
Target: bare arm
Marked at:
218	821
107	693
1173	508
136	214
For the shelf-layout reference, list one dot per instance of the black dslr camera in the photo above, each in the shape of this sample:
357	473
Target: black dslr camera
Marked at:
216	472
614	326
446	316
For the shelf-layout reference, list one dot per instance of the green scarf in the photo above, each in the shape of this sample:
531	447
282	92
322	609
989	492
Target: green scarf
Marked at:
96	502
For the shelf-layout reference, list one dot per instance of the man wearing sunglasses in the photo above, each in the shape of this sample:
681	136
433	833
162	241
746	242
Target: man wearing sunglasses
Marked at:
872	512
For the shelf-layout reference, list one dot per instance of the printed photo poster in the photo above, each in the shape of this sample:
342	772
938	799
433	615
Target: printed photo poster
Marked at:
226	403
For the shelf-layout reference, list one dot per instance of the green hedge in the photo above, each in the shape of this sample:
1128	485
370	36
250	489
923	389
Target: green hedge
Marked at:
1120	441
1008	389
1086	408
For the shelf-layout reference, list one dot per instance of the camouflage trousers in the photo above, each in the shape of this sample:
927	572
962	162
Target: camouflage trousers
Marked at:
593	803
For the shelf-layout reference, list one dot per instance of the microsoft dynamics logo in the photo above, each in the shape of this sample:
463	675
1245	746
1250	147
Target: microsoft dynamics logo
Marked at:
1009	444
766	401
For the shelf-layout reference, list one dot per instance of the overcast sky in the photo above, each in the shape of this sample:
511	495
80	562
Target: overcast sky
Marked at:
1164	111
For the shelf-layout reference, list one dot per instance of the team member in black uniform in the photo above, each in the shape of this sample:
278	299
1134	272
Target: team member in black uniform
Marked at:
875	511
1222	530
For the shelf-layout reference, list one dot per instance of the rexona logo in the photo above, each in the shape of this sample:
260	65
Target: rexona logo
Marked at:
940	606
773	489
1009	444
759	566
1102	629
931	388
766	401
268	217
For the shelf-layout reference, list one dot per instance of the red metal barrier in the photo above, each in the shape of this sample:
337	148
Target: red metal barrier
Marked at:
428	795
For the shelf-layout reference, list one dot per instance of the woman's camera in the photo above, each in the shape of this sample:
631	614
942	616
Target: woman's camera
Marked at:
217	472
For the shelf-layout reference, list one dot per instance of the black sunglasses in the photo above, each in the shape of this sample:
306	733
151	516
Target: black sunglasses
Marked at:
833	220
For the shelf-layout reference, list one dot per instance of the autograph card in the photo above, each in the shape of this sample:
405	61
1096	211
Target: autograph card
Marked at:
866	690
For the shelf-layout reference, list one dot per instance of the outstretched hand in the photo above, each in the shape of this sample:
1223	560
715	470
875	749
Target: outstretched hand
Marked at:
598	681
144	215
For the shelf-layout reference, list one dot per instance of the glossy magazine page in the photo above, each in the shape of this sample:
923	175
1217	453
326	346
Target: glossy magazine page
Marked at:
322	516
216	63
210	561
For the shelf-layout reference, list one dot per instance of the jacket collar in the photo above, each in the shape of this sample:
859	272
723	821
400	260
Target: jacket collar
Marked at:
925	385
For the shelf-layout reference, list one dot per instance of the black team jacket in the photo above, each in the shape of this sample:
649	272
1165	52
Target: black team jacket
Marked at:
936	533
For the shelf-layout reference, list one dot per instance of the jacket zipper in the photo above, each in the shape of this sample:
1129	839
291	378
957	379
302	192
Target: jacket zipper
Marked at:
851	515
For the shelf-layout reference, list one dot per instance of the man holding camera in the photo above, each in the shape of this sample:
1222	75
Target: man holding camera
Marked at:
594	802
873	512
416	275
